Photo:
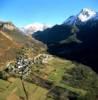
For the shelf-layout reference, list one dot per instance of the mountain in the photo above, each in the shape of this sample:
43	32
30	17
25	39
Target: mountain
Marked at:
81	18
12	40
86	14
29	72
31	28
75	39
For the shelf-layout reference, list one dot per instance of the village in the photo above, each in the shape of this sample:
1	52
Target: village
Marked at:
23	65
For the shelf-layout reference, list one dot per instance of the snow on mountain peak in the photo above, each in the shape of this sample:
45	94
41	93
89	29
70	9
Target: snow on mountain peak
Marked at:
31	28
86	14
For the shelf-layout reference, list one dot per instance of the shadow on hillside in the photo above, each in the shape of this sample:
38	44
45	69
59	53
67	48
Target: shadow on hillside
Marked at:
85	56
85	52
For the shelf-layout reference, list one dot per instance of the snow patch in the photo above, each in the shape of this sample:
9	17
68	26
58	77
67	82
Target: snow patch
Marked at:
86	14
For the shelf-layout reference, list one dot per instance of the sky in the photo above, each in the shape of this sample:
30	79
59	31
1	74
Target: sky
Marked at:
24	12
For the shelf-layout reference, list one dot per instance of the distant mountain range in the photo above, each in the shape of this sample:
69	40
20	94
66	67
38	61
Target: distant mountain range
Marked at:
75	39
31	28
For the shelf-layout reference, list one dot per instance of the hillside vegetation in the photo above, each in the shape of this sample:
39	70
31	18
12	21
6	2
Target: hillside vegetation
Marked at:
48	78
12	40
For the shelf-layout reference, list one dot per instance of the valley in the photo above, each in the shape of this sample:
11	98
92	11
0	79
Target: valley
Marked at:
52	77
50	63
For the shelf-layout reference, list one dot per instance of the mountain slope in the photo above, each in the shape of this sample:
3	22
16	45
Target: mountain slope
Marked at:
12	40
84	51
48	78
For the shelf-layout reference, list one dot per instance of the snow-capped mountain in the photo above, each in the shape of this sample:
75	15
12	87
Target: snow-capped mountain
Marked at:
85	15
78	43
31	28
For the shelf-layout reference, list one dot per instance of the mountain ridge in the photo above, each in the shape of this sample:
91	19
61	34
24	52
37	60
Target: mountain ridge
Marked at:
82	17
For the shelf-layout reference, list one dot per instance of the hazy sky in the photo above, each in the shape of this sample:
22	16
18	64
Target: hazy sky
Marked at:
23	12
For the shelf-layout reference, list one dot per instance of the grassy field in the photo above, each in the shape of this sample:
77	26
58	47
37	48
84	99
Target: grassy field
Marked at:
3	85
76	80
15	90
78	91
60	67
79	78
35	92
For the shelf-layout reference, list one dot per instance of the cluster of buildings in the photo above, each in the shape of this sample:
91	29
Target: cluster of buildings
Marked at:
23	65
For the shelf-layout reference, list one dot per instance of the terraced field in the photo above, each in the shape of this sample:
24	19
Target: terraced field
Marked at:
16	90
